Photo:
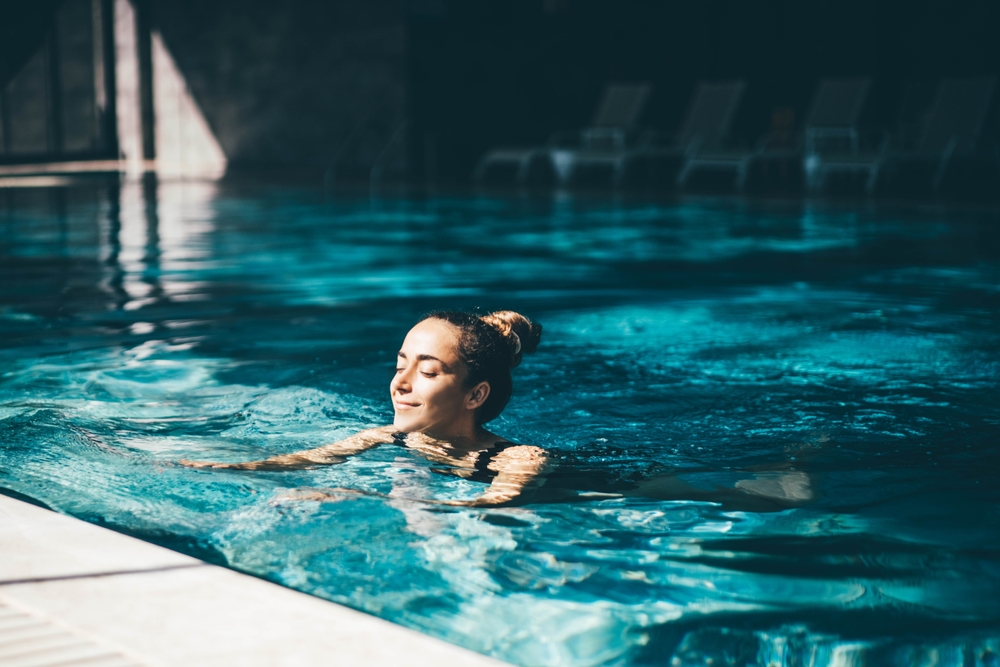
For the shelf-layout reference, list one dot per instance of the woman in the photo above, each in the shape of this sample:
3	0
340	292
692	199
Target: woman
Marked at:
452	377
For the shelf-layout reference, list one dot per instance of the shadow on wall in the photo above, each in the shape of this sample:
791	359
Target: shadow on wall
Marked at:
48	78
88	64
295	84
191	87
22	32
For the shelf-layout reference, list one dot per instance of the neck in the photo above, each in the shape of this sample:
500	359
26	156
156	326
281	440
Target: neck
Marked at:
467	431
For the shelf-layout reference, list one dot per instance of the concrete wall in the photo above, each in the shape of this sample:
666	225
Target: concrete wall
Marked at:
76	54
260	84
26	99
287	83
49	102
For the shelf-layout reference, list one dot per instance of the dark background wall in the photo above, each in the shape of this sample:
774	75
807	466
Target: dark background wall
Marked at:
488	72
22	32
47	91
300	83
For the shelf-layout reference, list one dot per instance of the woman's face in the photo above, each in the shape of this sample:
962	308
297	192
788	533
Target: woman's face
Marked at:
428	391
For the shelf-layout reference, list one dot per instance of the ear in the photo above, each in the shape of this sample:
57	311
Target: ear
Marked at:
477	396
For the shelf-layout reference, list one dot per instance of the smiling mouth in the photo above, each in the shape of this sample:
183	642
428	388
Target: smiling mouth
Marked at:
400	405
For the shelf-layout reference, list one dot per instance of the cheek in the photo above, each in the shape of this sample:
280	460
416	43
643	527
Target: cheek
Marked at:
427	390
453	395
437	395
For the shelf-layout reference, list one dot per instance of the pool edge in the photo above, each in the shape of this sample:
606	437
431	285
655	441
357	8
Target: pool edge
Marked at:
164	608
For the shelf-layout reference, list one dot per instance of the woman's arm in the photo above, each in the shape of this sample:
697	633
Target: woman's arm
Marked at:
518	468
327	454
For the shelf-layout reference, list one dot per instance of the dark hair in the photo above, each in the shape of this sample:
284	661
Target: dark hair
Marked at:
490	346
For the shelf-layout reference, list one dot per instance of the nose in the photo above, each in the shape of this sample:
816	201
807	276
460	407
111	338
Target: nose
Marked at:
401	382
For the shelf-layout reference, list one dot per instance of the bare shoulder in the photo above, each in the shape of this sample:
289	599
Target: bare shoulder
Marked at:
355	444
521	453
379	433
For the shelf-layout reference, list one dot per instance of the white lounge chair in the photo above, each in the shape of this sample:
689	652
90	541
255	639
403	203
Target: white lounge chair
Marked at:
706	126
606	143
614	121
832	117
832	127
951	129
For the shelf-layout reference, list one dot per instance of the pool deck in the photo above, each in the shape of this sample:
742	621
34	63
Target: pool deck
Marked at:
74	593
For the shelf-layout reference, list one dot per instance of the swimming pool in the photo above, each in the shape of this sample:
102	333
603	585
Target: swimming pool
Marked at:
711	339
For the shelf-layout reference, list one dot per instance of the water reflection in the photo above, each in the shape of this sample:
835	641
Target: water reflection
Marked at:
152	231
145	322
111	248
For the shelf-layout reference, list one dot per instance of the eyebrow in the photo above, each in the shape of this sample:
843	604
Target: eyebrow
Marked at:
427	357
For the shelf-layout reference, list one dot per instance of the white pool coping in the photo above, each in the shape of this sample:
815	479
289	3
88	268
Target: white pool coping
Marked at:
161	608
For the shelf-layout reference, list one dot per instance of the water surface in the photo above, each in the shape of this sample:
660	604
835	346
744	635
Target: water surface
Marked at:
711	339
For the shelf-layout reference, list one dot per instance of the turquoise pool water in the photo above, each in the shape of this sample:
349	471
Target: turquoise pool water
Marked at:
857	348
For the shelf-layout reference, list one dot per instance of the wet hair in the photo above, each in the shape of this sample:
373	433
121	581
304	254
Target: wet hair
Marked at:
490	346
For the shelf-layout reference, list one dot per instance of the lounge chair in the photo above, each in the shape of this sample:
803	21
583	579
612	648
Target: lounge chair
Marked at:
832	118
614	121
605	144
832	127
706	126
951	129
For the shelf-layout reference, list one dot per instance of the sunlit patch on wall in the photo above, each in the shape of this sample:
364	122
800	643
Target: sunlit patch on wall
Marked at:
185	143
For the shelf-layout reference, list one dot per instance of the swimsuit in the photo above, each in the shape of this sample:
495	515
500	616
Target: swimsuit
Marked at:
481	471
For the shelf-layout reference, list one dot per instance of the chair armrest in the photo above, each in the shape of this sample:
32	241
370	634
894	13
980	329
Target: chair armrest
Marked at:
823	139
604	138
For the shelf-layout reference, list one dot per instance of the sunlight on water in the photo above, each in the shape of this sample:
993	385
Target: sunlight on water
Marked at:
848	357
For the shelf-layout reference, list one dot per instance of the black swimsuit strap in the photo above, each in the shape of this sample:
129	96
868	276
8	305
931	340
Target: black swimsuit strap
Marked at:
481	468
482	471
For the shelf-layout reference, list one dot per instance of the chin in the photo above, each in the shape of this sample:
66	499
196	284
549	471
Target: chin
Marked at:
403	424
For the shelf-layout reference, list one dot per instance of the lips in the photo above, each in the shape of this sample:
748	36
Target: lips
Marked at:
402	405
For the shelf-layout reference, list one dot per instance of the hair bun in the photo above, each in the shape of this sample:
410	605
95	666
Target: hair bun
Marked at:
522	335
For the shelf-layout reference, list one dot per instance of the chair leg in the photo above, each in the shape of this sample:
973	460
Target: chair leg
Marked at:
809	165
814	181
524	169
872	179
563	166
943	166
682	175
618	176
741	174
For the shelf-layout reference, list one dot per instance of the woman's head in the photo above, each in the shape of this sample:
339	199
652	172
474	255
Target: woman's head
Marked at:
453	371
